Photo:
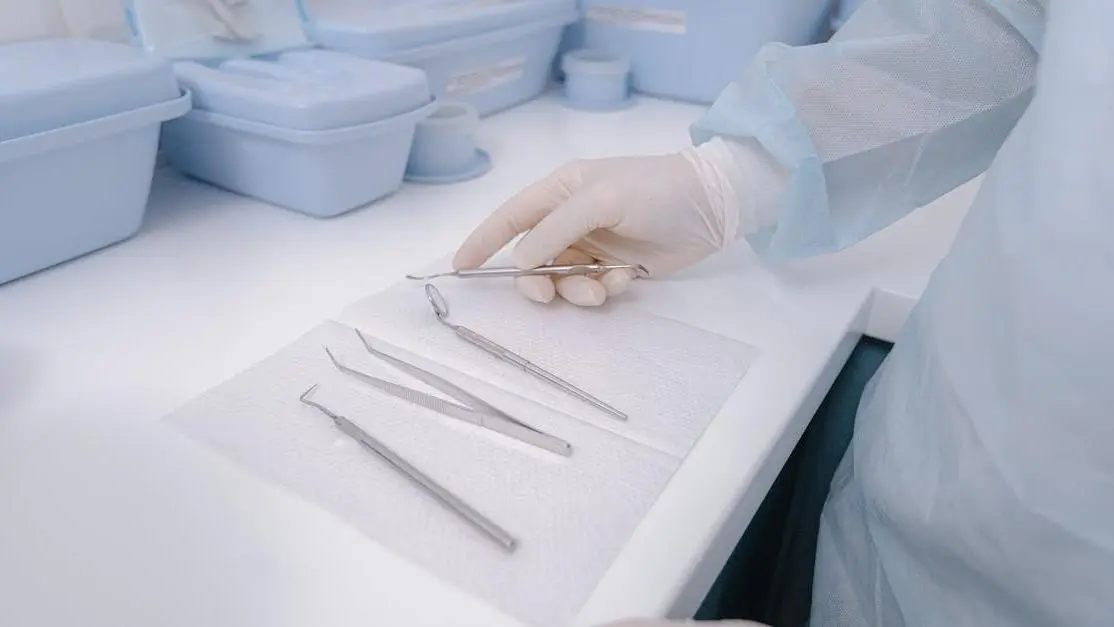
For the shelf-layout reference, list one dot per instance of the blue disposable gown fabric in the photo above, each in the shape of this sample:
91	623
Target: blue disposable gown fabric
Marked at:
841	10
908	100
979	485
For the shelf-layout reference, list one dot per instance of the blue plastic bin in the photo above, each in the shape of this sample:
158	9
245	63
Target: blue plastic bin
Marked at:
383	30
314	131
79	132
691	49
490	55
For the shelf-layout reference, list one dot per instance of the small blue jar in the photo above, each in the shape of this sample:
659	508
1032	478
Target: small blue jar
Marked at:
444	149
596	80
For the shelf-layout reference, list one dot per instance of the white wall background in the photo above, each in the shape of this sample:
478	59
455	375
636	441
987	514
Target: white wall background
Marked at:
32	19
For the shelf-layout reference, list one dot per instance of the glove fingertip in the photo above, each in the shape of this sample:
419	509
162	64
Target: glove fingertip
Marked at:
480	246
539	289
461	261
582	291
617	281
472	253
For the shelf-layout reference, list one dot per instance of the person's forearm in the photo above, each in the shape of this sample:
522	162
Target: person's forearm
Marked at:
900	107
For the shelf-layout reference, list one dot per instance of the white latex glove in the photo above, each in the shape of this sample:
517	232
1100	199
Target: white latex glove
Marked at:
665	212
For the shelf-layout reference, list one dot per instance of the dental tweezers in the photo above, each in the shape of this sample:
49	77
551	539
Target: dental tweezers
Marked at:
449	500
565	270
471	409
441	310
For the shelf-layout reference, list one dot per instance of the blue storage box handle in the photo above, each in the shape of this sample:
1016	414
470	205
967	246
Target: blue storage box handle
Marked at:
54	139
330	136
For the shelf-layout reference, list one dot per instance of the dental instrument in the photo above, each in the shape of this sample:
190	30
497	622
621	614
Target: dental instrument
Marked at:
449	500
441	310
564	270
471	409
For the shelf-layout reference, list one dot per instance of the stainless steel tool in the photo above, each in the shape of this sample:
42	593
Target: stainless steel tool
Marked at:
471	409
564	270
441	310
449	500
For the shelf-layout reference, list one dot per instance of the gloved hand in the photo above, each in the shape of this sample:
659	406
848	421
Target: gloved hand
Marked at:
664	212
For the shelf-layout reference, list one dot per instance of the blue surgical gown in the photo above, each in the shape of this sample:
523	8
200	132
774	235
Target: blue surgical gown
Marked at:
979	485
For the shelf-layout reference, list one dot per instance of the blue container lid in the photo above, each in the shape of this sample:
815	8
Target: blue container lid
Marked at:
306	90
51	83
378	32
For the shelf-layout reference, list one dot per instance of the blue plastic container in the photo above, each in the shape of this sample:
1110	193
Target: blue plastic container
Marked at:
445	148
79	132
571	39
380	31
490	55
596	80
691	49
314	131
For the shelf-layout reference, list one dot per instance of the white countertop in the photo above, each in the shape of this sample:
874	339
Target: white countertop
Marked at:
108	517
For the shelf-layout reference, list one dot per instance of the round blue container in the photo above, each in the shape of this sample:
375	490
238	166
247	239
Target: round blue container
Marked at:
596	80
444	149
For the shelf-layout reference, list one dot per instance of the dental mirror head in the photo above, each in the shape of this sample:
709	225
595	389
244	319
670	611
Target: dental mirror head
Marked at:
437	301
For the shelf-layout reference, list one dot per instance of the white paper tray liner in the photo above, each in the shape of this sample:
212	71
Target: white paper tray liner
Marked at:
572	516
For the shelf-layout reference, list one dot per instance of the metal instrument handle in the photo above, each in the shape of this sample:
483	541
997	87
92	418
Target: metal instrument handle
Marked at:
534	370
452	502
563	270
443	496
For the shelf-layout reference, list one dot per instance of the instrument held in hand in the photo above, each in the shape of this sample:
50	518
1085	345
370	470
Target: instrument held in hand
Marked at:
581	269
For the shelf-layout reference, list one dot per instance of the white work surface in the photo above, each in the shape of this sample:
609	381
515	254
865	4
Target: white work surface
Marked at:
110	517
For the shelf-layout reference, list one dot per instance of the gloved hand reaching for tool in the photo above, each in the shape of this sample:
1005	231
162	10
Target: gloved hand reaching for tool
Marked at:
665	212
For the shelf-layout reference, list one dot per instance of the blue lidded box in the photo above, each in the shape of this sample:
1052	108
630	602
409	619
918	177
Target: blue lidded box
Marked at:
491	55
692	49
314	131
79	132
